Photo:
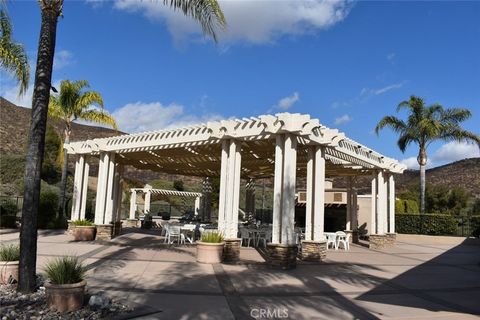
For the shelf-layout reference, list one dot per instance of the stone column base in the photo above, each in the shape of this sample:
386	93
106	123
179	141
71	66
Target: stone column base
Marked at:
104	232
314	250
131	223
377	241
282	256
353	236
391	239
231	250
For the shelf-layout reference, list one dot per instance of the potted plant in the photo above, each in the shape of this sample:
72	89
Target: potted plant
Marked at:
9	256
83	230
65	285
210	247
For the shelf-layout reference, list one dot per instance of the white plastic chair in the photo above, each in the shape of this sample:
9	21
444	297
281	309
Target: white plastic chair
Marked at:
342	238
265	237
165	232
175	234
331	240
247	235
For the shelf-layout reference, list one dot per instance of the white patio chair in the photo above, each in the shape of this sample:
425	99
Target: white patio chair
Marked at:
165	232
174	233
342	238
264	237
247	235
331	240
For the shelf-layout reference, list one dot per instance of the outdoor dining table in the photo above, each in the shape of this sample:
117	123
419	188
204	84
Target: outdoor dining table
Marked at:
186	229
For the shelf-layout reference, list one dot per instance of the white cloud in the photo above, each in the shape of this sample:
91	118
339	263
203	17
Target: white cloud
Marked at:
366	92
454	151
139	117
411	163
250	21
343	119
11	94
62	59
288	102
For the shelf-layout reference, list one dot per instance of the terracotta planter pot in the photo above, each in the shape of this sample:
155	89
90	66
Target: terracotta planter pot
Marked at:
209	252
8	269
83	233
65	297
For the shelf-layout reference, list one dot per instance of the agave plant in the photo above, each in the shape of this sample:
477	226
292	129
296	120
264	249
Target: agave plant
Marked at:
83	223
212	237
9	252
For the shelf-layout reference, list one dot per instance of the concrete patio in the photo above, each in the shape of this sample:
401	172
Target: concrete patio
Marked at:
422	277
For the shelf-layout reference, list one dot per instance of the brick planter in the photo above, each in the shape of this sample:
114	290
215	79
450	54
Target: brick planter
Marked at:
314	250
104	232
131	223
391	239
282	256
231	251
377	241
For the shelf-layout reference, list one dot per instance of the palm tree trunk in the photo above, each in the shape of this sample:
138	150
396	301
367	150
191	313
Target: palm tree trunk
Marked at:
422	189
422	161
63	182
36	144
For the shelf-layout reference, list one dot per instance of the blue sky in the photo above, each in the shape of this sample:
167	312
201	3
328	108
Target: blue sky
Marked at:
346	63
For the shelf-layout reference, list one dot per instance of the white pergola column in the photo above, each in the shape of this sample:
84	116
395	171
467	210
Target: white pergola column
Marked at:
354	210
236	155
391	203
373	221
148	198
250	196
103	166
288	190
77	188
277	190
348	222
118	191
223	195
133	204
319	195
309	210
110	195
381	203
197	206
86	175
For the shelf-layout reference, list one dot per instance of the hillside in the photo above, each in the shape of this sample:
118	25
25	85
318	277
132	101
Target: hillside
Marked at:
14	124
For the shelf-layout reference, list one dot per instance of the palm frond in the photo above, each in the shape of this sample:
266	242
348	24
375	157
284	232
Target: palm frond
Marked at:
405	140
456	115
460	135
207	12
100	117
88	98
392	122
55	110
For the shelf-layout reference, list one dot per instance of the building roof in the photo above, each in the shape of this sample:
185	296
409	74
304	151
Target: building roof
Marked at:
196	150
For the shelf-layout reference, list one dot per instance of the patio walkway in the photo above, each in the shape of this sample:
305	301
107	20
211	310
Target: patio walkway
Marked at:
421	278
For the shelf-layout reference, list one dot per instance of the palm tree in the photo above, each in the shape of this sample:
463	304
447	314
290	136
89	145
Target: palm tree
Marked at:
12	55
71	104
426	124
206	12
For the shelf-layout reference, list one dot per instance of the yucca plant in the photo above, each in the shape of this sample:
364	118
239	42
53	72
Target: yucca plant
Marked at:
65	270
10	252
212	237
83	223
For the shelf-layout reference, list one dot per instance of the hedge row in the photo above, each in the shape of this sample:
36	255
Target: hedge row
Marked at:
433	224
475	225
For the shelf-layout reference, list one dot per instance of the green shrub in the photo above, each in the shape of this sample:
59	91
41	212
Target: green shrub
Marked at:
64	270
212	237
10	252
406	206
432	224
87	223
399	206
475	225
8	214
48	208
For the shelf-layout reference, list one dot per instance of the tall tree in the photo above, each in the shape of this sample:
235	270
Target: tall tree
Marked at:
206	12
13	58
73	103
424	125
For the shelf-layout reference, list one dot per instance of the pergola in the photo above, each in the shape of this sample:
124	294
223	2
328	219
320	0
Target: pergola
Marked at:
282	146
148	191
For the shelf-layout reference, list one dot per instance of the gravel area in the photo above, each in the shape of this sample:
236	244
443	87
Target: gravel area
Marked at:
15	305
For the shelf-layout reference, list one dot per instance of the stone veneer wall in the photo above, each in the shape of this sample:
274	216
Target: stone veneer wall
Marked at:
391	239
131	223
282	256
377	241
314	250
104	232
231	251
